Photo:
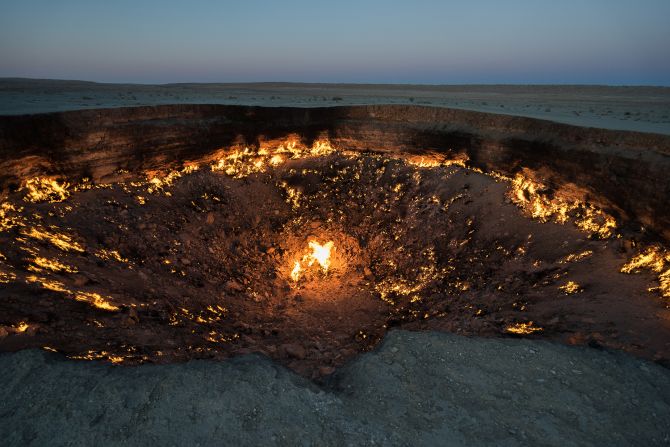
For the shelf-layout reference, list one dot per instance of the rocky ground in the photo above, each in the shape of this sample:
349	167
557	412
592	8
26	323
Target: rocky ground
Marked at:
202	264
417	389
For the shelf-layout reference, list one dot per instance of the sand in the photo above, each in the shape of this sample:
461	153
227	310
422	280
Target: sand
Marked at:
418	389
644	109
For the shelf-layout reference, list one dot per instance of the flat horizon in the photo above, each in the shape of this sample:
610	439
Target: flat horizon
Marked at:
426	42
418	84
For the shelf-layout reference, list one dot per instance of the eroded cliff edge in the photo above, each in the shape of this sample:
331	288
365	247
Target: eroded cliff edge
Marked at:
625	173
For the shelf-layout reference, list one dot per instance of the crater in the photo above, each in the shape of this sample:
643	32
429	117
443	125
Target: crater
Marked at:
308	248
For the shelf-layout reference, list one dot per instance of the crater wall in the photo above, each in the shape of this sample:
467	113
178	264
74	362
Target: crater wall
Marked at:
625	173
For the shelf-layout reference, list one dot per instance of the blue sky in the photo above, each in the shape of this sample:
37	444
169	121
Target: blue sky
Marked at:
420	41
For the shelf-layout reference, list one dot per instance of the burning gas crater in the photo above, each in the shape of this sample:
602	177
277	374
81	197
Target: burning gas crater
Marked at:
319	254
309	255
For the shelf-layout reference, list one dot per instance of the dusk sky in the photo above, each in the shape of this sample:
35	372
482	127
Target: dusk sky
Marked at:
427	42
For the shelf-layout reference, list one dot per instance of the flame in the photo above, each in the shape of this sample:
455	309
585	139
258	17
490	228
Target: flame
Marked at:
41	263
92	298
399	285
61	241
295	273
293	196
241	162
94	355
655	259
8	216
575	257
571	287
276	160
7	277
522	328
49	284
432	160
111	254
95	300
157	183
320	254
529	195
21	327
652	259
45	190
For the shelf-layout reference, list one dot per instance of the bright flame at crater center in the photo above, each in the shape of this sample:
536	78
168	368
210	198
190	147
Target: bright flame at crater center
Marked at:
320	254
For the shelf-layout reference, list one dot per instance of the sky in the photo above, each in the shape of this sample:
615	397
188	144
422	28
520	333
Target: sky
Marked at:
615	42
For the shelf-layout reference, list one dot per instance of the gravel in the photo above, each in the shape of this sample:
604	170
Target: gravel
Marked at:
415	389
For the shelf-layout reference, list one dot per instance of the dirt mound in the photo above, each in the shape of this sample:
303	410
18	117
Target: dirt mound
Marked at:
310	261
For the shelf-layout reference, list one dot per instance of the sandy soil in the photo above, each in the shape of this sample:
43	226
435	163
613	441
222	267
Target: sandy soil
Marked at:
645	109
418	389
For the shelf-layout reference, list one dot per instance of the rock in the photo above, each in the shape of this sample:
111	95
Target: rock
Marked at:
243	327
435	378
210	218
80	280
234	286
554	321
294	350
326	370
577	338
127	321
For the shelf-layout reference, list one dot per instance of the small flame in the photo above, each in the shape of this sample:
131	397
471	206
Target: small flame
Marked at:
40	263
522	328
59	240
22	327
432	160
656	259
92	298
295	273
571	287
9	216
41	189
276	160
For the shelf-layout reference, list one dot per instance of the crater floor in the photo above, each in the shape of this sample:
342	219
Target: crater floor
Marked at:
217	262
